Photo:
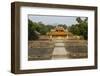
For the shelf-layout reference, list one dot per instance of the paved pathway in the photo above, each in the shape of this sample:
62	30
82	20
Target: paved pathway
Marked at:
59	50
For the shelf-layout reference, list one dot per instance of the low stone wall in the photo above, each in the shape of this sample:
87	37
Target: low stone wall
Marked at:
40	50
34	44
40	53
77	49
43	50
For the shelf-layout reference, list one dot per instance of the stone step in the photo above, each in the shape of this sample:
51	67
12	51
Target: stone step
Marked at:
59	53
59	44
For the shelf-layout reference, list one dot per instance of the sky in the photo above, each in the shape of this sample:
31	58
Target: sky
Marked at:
54	20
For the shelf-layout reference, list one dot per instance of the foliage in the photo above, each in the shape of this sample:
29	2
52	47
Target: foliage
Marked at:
38	28
81	28
63	25
31	31
34	29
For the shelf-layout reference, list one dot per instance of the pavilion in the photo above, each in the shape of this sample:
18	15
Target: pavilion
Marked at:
59	33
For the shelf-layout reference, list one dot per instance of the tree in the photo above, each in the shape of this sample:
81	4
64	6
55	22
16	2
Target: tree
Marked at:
34	27
63	25
31	31
78	19
42	29
50	27
81	28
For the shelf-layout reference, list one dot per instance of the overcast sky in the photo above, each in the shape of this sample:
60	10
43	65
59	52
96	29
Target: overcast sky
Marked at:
54	20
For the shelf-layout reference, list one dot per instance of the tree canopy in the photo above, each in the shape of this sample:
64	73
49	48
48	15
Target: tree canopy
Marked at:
81	28
38	28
